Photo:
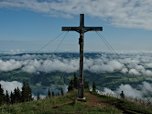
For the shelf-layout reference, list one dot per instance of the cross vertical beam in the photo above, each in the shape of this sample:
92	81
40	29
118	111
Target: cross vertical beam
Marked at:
81	30
81	43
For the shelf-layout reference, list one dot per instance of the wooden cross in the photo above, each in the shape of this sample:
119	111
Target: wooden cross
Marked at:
81	30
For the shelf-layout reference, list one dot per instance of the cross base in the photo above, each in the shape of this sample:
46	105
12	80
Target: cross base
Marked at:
81	99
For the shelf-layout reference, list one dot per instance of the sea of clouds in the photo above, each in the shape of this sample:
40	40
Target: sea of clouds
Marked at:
132	64
139	64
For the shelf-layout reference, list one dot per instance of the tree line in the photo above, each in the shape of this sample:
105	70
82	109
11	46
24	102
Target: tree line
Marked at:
25	94
17	96
74	84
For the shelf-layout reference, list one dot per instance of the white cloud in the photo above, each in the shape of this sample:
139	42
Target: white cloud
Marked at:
10	86
31	66
129	91
124	13
60	65
144	90
147	86
109	66
108	91
149	65
148	73
9	65
124	70
64	65
134	72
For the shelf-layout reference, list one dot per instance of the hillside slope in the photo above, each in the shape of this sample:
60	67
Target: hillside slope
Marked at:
67	104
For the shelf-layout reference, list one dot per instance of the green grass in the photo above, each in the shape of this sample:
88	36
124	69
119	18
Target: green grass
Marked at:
68	105
127	106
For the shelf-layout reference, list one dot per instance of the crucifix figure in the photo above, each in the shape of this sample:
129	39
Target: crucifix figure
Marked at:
81	30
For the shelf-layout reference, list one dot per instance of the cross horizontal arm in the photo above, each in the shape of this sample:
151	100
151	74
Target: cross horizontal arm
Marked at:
93	29
70	28
84	29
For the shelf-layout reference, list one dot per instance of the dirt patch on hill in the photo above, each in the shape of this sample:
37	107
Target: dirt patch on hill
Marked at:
93	100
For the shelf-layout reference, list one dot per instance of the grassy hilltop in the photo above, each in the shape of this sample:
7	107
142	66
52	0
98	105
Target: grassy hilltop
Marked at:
95	104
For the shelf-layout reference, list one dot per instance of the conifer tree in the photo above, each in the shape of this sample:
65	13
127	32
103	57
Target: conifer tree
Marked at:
62	92
53	94
86	84
49	93
71	85
93	87
75	81
1	95
26	92
7	98
12	99
38	96
17	95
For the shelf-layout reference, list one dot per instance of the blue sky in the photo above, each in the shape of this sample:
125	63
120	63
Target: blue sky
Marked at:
30	24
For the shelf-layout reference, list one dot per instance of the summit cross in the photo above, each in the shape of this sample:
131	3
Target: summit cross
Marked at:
81	30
